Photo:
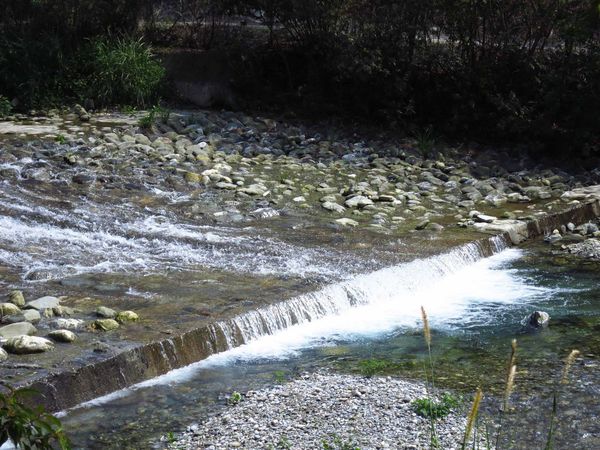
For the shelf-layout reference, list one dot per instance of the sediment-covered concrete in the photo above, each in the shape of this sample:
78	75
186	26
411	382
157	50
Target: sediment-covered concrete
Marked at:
67	388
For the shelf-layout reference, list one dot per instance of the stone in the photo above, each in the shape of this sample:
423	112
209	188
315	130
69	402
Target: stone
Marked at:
332	206
22	345
43	303
554	237
105	324
483	218
127	316
8	309
422	224
17	329
590	248
536	320
358	201
3	355
344	221
32	315
254	189
67	324
65	336
107	313
16	298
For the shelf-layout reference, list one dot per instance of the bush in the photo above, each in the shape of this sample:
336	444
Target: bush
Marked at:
120	71
28	428
5	107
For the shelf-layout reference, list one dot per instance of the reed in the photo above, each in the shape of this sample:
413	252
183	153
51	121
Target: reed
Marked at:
472	417
434	442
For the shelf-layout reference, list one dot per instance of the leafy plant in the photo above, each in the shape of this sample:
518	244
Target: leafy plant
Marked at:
121	71
436	409
425	142
60	138
5	107
155	113
28	428
235	398
284	443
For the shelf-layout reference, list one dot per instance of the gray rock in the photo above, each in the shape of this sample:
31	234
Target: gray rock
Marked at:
3	355
254	189
43	303
358	201
332	206
344	221
536	320
17	329
62	336
422	224
22	345
67	324
32	315
107	313
590	248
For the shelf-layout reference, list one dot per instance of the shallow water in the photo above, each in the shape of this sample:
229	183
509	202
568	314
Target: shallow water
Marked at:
474	313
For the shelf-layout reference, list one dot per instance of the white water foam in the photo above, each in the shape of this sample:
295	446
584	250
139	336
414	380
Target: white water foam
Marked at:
456	296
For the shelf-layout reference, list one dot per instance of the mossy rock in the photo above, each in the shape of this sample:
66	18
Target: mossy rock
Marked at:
105	324
127	316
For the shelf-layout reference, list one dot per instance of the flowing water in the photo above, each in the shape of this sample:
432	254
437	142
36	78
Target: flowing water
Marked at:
475	308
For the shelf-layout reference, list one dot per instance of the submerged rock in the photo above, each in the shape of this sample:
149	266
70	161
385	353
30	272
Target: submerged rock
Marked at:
103	311
22	345
536	320
62	336
127	316
105	324
17	329
68	324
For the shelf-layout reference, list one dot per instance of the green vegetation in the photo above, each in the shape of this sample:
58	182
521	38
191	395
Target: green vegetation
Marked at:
436	409
337	443
234	398
371	367
279	376
28	428
5	107
154	114
120	71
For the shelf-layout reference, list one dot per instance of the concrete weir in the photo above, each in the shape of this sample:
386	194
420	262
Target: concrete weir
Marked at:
67	388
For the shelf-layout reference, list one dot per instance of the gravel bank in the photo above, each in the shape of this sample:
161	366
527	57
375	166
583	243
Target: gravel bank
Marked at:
320	409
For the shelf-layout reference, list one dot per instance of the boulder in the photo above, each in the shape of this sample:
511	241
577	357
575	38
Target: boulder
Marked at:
358	201
67	324
332	206
8	309
105	324
22	345
16	298
3	355
17	329
32	315
43	303
107	313
127	316
536	320
62	336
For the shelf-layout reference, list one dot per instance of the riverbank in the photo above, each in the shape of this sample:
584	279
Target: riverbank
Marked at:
329	411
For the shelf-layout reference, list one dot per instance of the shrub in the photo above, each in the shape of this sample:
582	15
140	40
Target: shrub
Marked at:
28	428
5	107
120	71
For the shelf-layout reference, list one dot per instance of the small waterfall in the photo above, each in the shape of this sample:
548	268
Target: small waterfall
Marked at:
382	286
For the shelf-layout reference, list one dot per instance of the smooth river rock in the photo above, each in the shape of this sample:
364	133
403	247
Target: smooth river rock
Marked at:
127	316
62	336
107	313
43	303
17	329
3	355
106	324
16	298
8	309
22	345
